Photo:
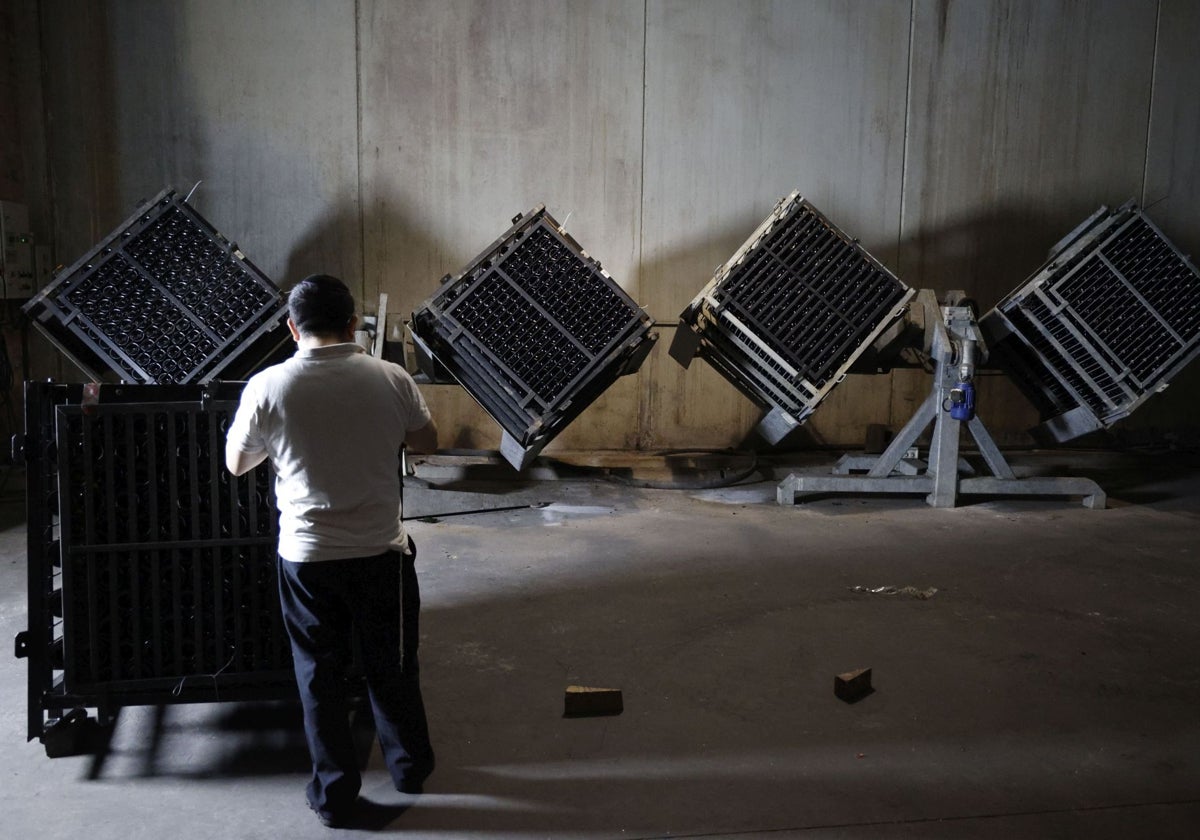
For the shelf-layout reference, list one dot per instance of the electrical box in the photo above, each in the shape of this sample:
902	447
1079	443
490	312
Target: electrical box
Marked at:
16	257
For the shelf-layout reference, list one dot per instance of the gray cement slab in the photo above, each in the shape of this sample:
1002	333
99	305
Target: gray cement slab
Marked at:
1048	687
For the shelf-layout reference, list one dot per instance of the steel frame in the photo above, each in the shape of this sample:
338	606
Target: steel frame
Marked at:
1108	321
534	330
944	476
150	569
163	299
790	313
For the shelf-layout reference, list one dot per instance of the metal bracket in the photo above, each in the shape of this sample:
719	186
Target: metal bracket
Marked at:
776	425
21	645
517	455
72	734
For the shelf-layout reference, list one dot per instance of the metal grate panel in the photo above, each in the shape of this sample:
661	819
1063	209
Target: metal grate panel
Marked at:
809	292
151	568
530	349
1157	273
1107	322
169	566
163	299
795	306
534	329
1093	378
1104	304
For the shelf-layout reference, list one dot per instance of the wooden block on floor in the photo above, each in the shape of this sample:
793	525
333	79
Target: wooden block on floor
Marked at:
853	685
582	701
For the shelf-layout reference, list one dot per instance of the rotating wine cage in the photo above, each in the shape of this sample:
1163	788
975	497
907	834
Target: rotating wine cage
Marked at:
789	313
534	330
162	299
151	569
1107	322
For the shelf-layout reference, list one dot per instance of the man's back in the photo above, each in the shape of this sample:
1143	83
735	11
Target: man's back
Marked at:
332	421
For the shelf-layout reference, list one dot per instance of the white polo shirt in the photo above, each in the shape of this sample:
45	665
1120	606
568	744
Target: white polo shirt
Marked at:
331	419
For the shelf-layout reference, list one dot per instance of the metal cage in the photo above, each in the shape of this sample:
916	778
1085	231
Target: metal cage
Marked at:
162	299
151	569
1106	322
534	329
790	312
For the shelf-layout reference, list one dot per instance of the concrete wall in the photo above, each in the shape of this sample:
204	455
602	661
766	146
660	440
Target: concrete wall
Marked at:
390	141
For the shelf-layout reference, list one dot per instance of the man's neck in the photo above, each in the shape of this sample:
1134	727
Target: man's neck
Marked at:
309	342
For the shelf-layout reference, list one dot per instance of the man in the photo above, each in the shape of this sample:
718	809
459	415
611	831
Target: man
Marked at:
331	421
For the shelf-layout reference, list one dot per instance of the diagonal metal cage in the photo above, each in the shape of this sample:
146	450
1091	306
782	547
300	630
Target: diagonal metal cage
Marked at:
534	329
1105	323
162	299
790	312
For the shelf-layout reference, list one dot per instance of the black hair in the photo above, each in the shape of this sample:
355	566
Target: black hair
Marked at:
320	305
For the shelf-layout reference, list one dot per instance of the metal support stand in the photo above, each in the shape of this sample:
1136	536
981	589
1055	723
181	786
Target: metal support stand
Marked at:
944	476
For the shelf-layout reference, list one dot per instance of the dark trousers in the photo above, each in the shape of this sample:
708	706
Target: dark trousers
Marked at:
328	606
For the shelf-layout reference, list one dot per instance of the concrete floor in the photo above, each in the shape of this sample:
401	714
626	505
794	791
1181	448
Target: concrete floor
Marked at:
1049	688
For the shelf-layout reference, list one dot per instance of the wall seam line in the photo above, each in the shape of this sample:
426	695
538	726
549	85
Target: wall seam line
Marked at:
912	15
358	157
643	408
1150	107
48	181
642	168
908	94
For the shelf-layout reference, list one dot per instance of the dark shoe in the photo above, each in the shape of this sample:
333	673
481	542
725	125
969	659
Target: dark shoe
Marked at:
415	776
330	819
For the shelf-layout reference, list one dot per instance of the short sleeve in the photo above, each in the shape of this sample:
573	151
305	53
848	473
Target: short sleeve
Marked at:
418	411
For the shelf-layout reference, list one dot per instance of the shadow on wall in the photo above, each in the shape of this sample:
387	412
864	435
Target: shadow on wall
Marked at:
82	199
396	255
402	259
86	96
987	255
316	251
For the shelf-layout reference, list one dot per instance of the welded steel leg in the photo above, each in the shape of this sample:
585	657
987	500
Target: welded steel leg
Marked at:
943	461
988	449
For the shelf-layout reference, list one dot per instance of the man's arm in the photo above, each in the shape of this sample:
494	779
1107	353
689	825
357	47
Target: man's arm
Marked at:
238	462
424	439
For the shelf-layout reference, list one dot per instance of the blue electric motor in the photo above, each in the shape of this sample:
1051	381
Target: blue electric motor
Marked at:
962	401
